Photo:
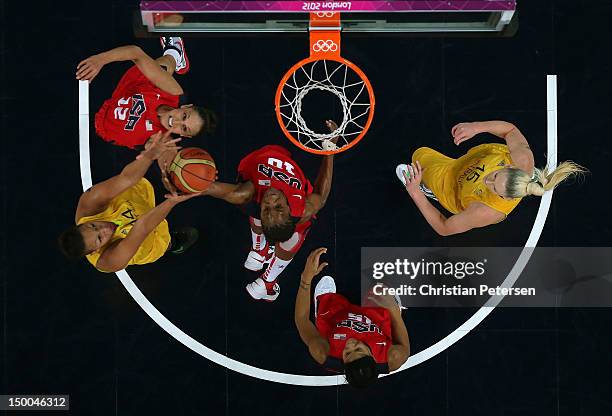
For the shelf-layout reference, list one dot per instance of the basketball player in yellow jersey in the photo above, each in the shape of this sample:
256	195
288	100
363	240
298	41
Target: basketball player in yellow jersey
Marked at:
483	186
117	222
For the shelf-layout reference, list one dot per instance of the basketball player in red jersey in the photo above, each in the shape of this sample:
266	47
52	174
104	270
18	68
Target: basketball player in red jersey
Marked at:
361	341
281	203
147	98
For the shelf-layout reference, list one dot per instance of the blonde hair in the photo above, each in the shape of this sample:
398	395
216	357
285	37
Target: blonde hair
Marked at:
520	184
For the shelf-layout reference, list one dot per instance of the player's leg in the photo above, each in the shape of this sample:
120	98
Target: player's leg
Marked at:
162	240
266	286
436	167
261	252
181	239
174	48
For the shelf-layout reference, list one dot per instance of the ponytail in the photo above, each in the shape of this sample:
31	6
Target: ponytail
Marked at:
519	183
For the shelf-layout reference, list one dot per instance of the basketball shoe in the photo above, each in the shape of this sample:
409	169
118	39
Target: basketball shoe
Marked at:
261	289
182	239
176	43
257	258
325	285
403	168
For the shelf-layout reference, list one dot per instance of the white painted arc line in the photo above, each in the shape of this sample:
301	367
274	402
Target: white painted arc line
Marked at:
84	159
83	98
302	380
212	355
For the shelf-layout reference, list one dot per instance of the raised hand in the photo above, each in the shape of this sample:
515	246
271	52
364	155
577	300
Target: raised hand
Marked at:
313	267
88	68
178	198
158	145
166	180
414	178
332	126
464	131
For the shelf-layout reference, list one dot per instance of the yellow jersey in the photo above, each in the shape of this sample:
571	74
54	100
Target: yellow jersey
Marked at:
459	182
123	211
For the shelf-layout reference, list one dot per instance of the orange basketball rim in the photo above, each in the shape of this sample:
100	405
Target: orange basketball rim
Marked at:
325	70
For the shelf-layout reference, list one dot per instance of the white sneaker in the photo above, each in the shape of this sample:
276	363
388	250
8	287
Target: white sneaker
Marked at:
400	170
262	290
256	260
403	168
325	285
176	43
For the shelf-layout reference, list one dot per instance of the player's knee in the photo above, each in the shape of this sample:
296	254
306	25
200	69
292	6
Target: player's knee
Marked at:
417	153
291	244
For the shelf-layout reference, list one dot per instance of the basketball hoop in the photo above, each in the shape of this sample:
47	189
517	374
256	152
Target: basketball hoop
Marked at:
325	70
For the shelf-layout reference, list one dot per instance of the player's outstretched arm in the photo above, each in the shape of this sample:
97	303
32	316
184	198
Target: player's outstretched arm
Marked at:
97	198
88	68
400	350
236	194
521	154
322	187
476	215
117	256
317	345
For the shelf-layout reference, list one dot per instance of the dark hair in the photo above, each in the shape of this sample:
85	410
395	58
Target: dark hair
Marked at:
209	119
277	233
71	243
361	372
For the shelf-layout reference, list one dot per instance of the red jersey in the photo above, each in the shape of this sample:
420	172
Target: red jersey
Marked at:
129	117
338	320
272	166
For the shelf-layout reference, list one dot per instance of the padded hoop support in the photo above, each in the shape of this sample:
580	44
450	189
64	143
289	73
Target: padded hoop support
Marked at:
324	35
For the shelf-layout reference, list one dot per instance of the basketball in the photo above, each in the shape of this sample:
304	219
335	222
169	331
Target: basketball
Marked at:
192	170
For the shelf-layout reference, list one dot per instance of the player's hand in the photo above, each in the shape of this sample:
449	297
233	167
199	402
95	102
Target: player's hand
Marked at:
463	131
332	126
88	68
166	180
159	144
414	178
177	198
313	267
212	187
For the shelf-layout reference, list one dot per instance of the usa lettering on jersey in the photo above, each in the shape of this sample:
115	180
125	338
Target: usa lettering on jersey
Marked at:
359	323
131	114
276	168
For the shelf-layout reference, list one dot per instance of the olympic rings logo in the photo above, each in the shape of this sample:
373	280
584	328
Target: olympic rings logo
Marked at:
326	14
325	46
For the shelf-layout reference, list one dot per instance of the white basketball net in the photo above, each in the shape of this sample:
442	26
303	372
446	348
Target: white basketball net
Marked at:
334	77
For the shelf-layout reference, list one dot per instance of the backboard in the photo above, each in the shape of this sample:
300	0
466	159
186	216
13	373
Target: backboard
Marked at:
375	17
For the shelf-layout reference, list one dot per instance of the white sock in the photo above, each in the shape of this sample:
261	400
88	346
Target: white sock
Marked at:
258	240
175	54
275	268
